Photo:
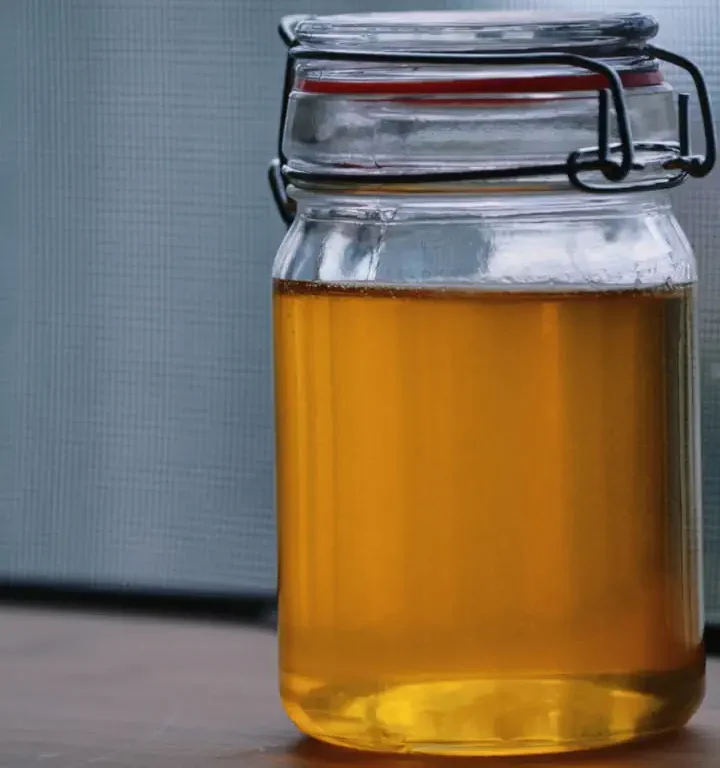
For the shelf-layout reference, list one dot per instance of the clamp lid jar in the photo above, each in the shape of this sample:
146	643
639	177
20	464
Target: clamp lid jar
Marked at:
487	445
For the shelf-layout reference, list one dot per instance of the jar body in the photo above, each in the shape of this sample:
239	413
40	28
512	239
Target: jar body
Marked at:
487	459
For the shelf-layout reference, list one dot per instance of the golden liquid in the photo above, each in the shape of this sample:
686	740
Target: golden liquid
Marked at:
487	514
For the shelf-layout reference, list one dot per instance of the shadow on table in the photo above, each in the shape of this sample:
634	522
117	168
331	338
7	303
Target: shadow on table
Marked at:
681	750
258	610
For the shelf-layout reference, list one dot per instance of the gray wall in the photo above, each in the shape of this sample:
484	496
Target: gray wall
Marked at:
137	233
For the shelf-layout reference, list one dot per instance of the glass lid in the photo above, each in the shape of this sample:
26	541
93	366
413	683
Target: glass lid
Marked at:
472	31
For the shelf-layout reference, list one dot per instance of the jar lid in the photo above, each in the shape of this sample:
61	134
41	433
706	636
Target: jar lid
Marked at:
473	31
526	95
621	37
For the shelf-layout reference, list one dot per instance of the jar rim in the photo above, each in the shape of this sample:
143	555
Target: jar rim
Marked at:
478	31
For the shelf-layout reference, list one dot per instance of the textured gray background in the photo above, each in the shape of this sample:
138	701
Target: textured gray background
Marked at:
135	391
138	234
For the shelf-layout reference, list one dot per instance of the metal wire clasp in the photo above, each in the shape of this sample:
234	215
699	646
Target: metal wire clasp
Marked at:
614	161
683	161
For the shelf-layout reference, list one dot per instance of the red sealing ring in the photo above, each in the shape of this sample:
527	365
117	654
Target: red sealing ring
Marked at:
527	86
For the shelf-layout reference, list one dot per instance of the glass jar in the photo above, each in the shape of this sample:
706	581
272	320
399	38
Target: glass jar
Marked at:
487	443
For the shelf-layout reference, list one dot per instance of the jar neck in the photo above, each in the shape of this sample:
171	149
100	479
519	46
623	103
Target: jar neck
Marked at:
428	120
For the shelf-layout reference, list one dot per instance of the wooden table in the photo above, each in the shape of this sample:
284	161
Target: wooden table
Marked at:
82	690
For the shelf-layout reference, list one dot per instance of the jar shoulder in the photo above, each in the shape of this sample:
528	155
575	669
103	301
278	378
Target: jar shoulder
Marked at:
573	249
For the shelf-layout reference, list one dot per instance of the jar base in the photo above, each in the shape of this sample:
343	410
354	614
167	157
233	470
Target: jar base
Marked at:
495	716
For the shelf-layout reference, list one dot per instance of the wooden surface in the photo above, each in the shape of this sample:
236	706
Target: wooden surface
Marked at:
81	690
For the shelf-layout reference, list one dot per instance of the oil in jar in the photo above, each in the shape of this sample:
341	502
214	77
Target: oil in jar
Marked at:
488	516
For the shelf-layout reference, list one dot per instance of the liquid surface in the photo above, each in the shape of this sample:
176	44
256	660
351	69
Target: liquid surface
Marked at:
487	513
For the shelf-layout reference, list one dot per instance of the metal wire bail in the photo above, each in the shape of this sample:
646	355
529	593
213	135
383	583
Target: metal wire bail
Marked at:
614	161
